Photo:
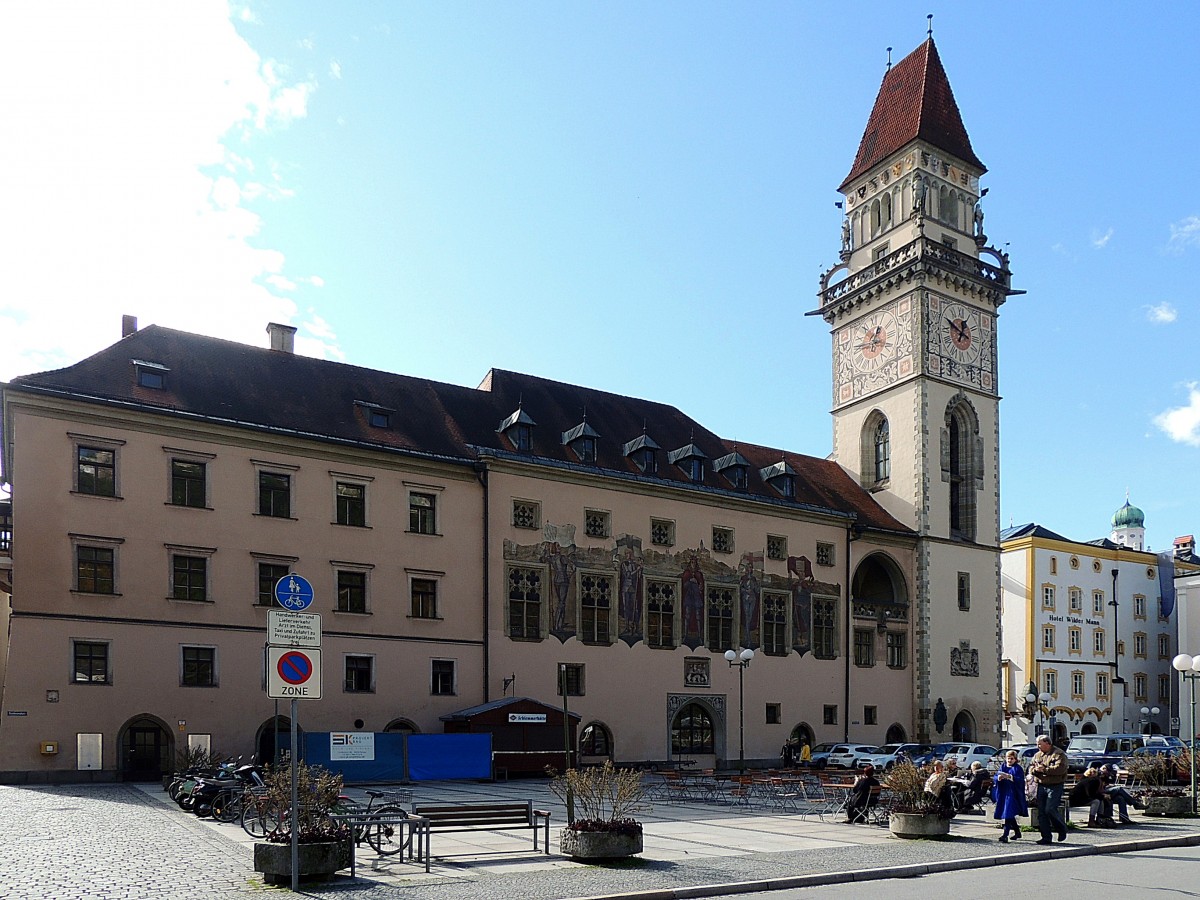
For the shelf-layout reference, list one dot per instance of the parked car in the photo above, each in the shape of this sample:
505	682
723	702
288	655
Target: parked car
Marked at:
1025	753
889	754
845	756
965	754
938	751
1099	749
1169	741
820	755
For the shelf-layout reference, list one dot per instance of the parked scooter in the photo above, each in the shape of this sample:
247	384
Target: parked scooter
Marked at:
222	774
221	792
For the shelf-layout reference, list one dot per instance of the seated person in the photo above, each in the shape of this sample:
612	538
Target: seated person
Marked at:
859	800
937	787
978	787
1089	792
1117	794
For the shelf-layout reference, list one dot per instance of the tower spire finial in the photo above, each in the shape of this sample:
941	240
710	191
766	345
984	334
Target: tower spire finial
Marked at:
889	65
930	18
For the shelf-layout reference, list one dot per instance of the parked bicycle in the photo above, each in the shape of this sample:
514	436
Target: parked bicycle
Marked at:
384	838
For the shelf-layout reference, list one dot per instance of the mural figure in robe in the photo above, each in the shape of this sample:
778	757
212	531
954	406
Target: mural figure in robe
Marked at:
692	583
562	571
801	580
748	597
629	583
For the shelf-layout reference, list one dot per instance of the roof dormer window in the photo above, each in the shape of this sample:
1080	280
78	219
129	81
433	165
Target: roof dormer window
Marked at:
782	477
690	459
377	416
735	468
582	440
151	374
518	428
642	451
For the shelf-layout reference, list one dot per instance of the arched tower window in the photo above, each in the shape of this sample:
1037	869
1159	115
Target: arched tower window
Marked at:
885	211
962	466
876	450
874	218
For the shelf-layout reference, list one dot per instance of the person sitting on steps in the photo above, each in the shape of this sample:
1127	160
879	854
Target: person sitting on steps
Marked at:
1089	792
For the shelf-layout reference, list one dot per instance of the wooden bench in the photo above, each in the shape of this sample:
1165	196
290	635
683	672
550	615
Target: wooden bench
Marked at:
486	817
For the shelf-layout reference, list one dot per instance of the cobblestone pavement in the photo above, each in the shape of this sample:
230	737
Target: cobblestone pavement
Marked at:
124	842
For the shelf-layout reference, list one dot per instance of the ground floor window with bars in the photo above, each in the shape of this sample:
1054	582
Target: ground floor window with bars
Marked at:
660	614
721	605
595	606
824	614
524	602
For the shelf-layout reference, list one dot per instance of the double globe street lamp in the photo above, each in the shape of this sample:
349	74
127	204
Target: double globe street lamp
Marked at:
1189	668
742	662
1039	701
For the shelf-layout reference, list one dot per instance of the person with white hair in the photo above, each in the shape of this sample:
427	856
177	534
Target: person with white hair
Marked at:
1049	769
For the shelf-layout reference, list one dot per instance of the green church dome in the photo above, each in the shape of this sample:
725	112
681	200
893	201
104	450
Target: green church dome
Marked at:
1128	517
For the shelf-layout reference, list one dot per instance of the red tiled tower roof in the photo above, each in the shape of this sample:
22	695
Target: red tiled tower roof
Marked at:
914	101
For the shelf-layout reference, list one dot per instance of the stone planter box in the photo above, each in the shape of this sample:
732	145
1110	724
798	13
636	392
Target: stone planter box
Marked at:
918	825
1167	806
318	862
598	844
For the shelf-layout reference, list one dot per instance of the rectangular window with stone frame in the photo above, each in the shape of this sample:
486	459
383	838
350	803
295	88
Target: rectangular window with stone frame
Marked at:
824	633
189	577
829	714
597	523
268	576
570	679
825	554
95	570
442	677
722	539
188	483
351	504
777	547
897	649
721	609
275	495
1076	685
1101	685
90	662
964	591
360	675
775	623
97	471
351	591
424	598
864	647
422	513
526	514
1140	691
595	608
662	532
870	715
524	603
661	597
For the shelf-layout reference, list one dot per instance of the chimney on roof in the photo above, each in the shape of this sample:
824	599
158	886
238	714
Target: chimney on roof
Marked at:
283	337
1185	546
128	326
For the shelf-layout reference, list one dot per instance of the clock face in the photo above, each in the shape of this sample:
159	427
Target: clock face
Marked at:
874	341
962	337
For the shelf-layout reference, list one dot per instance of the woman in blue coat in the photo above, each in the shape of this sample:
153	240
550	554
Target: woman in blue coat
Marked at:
1008	790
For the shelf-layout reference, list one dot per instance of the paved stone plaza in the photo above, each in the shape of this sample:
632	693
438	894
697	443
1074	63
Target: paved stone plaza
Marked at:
77	842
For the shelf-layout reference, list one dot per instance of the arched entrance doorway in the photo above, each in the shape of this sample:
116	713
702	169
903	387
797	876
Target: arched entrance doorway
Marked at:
692	732
1060	737
802	734
963	728
402	726
895	734
147	749
268	749
1088	728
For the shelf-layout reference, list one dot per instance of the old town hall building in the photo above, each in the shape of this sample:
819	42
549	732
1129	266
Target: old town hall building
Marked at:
528	538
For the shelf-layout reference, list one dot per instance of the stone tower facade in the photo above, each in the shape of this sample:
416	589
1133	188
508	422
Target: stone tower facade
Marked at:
912	306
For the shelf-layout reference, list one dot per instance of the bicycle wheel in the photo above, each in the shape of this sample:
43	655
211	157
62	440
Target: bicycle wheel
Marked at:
261	818
387	839
227	807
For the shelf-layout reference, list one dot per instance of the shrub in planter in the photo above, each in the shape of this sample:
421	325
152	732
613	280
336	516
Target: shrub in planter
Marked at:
606	797
914	813
325	846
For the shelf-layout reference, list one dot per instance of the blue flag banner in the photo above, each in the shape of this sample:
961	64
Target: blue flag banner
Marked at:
1166	583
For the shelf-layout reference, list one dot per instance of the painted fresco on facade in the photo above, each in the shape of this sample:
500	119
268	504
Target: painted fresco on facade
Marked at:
706	601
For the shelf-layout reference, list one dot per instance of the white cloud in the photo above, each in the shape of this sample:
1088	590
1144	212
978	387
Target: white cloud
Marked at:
125	191
1162	313
1182	424
1100	241
1184	233
335	68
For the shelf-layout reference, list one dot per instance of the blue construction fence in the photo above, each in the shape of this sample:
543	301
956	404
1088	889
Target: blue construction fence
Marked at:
382	756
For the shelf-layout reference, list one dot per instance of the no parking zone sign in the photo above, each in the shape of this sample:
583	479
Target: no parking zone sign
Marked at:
293	674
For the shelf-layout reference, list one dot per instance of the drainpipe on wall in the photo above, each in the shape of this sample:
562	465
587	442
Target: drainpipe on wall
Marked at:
1117	680
481	472
853	532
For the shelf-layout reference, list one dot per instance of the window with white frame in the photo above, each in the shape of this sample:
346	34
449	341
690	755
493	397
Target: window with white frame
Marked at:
1075	640
1076	685
1139	606
1164	646
1047	596
1139	645
1098	642
1050	682
1098	603
1047	637
1140	687
1102	685
1075	600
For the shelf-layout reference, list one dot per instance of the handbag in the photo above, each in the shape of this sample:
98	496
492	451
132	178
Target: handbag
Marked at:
1031	787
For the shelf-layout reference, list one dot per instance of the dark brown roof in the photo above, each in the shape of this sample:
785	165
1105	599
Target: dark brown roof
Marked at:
914	101
258	388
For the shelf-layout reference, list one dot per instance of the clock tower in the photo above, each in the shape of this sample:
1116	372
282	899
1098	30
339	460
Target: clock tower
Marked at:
912	306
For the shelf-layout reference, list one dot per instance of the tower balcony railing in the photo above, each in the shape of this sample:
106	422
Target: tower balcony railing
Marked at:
915	252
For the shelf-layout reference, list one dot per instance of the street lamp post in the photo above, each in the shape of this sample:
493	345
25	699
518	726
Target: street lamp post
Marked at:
1041	702
1148	713
742	662
1189	667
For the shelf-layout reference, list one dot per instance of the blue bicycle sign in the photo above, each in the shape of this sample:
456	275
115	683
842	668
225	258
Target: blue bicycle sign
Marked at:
293	592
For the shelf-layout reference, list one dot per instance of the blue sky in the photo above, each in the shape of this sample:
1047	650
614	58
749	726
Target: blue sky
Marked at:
636	197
